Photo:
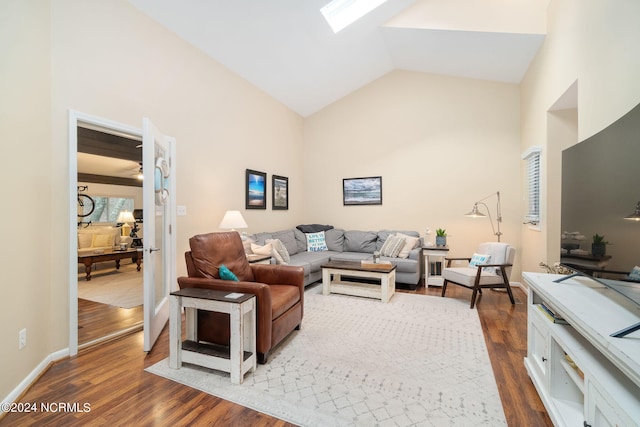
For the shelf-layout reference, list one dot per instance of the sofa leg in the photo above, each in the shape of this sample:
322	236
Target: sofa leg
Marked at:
444	287
262	358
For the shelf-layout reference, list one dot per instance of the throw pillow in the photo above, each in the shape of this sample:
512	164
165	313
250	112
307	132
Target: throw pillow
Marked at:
226	274
262	250
478	259
84	240
635	274
392	246
101	240
280	252
316	242
410	244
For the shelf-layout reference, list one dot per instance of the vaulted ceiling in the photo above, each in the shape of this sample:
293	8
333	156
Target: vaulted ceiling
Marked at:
286	48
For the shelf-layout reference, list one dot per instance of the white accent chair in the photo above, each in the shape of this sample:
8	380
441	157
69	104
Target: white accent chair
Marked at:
493	274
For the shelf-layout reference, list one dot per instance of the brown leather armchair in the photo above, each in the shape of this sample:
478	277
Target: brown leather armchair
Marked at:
279	290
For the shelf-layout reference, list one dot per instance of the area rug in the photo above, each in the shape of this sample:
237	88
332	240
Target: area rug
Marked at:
118	287
415	361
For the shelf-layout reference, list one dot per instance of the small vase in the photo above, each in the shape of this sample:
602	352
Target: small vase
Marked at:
441	240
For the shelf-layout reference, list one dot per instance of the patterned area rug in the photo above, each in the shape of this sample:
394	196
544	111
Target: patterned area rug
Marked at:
416	361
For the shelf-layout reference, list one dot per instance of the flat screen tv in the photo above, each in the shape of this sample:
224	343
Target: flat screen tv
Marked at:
600	187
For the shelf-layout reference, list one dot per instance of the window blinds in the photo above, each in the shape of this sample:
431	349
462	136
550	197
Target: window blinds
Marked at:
532	157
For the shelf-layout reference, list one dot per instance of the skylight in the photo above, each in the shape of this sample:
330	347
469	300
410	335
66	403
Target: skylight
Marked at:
342	13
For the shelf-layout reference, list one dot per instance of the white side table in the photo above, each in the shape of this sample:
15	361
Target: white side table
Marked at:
239	357
434	255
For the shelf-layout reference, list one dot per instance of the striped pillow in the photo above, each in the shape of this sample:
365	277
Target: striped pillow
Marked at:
392	246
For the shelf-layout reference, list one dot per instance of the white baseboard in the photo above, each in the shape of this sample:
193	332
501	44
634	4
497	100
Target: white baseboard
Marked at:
34	375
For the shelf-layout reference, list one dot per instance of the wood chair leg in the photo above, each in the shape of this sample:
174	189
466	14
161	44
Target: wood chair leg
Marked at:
474	294
507	285
444	287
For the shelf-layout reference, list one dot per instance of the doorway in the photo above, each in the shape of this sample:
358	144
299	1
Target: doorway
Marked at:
110	284
91	125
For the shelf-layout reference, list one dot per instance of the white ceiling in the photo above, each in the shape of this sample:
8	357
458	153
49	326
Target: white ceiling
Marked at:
107	166
286	48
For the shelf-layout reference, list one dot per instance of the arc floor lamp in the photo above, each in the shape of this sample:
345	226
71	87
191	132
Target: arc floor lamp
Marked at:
475	213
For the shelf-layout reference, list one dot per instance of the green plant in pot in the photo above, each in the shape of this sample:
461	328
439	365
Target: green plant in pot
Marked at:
599	245
441	237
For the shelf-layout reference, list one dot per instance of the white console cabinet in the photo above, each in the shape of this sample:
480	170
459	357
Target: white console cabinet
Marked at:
584	376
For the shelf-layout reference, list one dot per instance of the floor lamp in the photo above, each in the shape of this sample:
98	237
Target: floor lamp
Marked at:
475	213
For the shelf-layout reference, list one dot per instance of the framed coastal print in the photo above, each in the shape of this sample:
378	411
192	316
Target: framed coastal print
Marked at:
256	190
362	191
280	192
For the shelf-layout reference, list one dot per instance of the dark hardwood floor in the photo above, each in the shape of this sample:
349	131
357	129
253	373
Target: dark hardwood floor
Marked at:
98	321
111	379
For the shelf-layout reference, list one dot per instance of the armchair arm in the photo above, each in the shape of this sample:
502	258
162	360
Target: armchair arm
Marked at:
278	274
494	265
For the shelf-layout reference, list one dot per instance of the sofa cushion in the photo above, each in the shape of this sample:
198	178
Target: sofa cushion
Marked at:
288	239
360	241
467	276
301	240
313	260
316	242
283	297
334	239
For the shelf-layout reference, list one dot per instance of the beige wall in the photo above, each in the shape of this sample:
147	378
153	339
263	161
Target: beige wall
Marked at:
440	143
593	42
25	223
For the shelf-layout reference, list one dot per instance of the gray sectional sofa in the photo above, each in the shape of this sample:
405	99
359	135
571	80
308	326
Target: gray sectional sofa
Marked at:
348	245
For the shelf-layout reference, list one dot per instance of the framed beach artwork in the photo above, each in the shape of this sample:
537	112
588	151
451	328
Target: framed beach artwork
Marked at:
279	192
362	191
256	190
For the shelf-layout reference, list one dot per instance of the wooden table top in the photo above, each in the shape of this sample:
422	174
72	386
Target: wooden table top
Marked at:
357	266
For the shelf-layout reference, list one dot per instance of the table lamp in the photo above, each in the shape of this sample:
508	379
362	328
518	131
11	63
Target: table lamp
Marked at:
125	218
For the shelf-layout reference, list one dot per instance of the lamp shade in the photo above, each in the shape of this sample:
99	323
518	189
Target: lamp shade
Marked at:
636	215
233	220
125	216
475	213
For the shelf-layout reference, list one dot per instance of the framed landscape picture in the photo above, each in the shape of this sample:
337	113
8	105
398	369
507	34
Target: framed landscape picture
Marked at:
362	191
280	192
256	190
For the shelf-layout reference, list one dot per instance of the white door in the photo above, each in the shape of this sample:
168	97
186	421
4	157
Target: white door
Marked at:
159	229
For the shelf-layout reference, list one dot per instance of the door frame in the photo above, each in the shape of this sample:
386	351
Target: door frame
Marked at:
75	119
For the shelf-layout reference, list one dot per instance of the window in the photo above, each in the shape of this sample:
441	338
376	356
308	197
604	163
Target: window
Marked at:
342	13
532	157
108	208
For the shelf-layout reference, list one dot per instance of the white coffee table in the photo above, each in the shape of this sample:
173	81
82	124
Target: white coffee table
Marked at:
332	281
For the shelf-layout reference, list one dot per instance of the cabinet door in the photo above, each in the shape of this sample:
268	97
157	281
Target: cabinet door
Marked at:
538	346
601	412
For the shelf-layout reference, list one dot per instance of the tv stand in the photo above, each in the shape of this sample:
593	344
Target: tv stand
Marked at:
584	376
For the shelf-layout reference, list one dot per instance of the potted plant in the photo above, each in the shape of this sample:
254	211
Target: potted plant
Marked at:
599	245
441	237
